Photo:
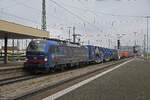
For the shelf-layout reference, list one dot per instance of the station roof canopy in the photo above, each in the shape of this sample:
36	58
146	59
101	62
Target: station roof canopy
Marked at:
17	31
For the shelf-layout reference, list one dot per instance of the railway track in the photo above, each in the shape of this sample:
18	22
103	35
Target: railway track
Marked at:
29	78
51	87
10	70
10	75
16	79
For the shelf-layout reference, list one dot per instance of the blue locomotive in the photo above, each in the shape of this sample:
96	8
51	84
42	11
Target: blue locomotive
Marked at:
48	55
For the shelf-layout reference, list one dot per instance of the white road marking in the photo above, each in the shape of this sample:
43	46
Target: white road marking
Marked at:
67	90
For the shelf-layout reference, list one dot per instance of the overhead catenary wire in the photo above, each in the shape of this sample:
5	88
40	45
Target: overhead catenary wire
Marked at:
96	13
77	16
102	13
54	16
21	18
27	6
69	11
12	5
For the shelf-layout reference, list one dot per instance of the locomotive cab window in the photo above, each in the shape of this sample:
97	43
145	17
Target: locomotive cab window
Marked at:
36	47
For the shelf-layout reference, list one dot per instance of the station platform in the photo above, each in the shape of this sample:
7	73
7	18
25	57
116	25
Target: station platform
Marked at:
129	81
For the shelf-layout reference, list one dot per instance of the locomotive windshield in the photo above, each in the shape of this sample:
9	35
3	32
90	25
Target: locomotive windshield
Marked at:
36	47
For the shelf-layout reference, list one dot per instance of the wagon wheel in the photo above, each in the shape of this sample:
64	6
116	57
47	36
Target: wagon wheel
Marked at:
62	68
53	70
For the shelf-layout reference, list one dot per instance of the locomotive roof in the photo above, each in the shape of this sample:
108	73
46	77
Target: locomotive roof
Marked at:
61	41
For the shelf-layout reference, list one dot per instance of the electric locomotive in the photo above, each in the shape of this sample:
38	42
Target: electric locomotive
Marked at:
46	55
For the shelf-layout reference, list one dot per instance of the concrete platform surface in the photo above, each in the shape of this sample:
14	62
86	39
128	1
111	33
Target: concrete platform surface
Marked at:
129	82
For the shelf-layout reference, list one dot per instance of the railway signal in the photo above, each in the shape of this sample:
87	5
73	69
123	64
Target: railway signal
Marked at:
118	42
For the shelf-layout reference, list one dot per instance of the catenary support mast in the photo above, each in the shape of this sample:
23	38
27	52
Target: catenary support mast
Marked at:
44	15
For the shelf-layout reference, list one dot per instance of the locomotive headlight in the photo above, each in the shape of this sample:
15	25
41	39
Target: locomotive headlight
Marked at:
26	59
45	59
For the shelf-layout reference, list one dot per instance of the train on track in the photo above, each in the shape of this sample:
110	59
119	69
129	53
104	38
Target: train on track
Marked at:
49	55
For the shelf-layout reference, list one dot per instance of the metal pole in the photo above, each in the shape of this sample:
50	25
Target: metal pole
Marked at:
5	49
74	35
147	34
18	45
118	48
13	46
144	43
109	42
1	48
69	33
118	45
135	38
44	16
26	43
88	42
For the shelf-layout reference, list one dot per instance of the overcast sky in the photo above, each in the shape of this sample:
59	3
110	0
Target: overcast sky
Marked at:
96	20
